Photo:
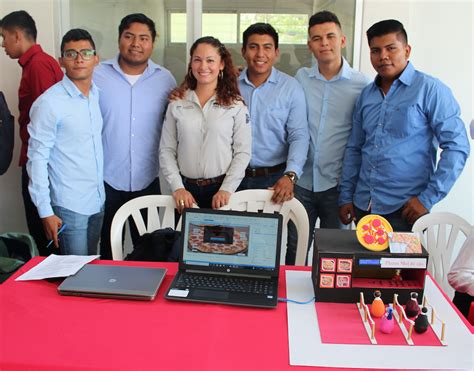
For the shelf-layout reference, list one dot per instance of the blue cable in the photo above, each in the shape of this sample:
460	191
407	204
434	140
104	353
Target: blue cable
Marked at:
285	300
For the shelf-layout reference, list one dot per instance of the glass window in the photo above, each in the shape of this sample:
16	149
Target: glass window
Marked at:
220	25
291	28
224	19
102	18
290	19
178	27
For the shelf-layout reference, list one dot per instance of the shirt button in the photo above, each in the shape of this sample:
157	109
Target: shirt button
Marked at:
133	135
133	118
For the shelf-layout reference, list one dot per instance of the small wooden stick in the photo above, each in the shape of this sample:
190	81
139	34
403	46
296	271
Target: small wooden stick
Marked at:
410	331
442	331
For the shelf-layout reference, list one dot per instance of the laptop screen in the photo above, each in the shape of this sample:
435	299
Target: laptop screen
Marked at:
231	240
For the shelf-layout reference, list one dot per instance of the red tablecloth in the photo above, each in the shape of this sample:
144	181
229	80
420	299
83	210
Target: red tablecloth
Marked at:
41	330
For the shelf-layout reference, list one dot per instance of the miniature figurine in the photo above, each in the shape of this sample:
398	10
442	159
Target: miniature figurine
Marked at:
377	309
397	276
387	322
421	322
412	308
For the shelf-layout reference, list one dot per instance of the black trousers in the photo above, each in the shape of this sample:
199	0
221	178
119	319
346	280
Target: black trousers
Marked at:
203	194
463	302
114	199
395	219
33	221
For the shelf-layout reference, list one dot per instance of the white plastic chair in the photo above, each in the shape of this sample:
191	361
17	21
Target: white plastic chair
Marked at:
438	233
260	200
160	214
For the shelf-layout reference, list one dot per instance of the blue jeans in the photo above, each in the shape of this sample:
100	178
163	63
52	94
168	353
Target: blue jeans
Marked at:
322	205
82	232
260	182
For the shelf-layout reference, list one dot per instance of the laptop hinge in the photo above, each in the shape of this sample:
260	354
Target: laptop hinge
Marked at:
233	274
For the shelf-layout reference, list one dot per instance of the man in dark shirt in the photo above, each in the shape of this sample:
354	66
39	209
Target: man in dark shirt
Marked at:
40	71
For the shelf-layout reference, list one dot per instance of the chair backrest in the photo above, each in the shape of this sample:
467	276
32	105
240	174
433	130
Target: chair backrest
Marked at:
160	214
438	233
261	200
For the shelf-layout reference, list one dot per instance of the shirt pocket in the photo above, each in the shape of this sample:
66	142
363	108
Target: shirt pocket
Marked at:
405	121
276	116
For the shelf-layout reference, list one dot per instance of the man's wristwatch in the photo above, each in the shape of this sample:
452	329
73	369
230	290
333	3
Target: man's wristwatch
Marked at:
292	176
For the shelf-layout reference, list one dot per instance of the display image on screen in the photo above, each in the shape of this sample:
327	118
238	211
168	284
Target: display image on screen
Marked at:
230	240
218	239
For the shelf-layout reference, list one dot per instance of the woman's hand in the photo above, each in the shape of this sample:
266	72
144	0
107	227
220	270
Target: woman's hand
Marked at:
221	198
176	94
183	199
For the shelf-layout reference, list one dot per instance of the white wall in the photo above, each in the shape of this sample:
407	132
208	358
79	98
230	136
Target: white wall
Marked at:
440	33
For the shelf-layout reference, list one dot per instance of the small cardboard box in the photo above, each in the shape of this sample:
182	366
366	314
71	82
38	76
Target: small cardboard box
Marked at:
356	269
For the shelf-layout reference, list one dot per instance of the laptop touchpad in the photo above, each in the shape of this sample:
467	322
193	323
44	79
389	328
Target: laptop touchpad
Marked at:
210	294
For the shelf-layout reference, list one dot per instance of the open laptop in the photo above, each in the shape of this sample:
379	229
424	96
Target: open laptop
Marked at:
114	281
228	257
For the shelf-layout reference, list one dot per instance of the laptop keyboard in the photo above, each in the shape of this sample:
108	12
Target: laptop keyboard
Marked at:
223	283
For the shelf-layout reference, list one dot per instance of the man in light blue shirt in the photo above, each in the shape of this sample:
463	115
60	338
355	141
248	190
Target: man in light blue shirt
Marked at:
331	88
133	100
278	114
65	156
399	122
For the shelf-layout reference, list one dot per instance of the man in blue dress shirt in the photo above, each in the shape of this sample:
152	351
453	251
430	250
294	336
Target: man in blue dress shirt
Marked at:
399	122
331	88
278	114
65	160
133	100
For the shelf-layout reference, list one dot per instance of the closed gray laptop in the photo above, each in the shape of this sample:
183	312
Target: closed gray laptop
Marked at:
114	281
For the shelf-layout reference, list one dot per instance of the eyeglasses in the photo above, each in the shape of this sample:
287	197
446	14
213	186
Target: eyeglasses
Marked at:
72	54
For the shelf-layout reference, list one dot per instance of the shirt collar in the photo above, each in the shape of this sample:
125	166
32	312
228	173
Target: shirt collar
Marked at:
406	77
344	72
73	90
26	57
150	68
191	96
408	74
273	78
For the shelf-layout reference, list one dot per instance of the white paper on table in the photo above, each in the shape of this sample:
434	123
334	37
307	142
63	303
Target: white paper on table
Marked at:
57	266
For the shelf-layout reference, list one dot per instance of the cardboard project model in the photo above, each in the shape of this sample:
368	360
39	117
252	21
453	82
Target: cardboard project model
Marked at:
342	269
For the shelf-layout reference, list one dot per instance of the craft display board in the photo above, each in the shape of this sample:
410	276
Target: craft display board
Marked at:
342	268
307	348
